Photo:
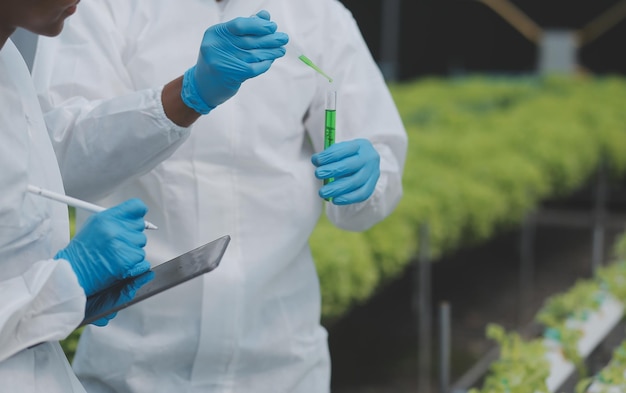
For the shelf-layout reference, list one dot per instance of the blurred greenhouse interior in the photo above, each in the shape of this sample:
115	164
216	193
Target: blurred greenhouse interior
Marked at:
503	269
521	198
458	37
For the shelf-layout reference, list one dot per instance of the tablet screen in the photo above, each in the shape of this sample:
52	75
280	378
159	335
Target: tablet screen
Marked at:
164	276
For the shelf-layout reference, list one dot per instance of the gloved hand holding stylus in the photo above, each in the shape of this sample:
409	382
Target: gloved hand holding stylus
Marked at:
109	247
231	53
355	167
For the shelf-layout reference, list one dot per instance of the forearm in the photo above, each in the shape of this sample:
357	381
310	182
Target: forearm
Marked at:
101	144
173	105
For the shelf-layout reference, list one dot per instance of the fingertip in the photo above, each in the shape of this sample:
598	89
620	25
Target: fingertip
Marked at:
324	157
147	277
263	14
138	269
144	279
324	193
340	201
139	202
104	321
136	206
145	266
138	282
261	67
282	38
272	27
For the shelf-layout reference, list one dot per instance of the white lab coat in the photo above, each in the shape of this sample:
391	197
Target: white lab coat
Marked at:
252	325
40	298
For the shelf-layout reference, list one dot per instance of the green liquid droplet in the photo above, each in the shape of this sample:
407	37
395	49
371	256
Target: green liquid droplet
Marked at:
308	62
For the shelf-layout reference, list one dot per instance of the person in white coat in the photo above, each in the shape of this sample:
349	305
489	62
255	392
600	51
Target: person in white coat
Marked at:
44	278
251	168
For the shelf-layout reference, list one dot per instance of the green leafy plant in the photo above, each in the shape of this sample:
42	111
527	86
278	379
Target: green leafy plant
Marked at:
612	278
612	378
521	368
562	311
561	315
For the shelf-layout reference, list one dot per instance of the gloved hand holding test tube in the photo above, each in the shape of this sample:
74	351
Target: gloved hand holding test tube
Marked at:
350	169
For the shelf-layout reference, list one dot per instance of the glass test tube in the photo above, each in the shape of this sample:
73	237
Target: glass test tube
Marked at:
329	126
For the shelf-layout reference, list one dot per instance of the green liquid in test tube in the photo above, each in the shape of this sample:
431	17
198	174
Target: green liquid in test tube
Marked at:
329	125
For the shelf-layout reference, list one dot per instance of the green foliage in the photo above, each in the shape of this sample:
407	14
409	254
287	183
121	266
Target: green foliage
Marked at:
562	312
482	153
611	278
521	368
612	378
72	218
71	343
350	252
560	315
577	303
619	250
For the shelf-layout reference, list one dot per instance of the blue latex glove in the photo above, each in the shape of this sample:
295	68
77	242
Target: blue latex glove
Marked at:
355	167
230	53
109	247
126	294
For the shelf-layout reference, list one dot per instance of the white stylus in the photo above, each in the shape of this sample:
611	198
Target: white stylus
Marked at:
74	202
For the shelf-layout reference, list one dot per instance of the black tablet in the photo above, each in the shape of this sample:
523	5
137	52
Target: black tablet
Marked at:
164	276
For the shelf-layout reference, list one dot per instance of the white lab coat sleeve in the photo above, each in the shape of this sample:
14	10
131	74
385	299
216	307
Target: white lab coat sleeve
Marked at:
365	109
104	131
102	144
45	303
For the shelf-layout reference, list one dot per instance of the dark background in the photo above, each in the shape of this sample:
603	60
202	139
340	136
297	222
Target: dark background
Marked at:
446	37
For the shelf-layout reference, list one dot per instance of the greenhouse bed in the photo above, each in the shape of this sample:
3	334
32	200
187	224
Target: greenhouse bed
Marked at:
575	323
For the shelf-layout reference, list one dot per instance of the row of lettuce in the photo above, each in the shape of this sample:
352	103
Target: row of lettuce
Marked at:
523	365
482	153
